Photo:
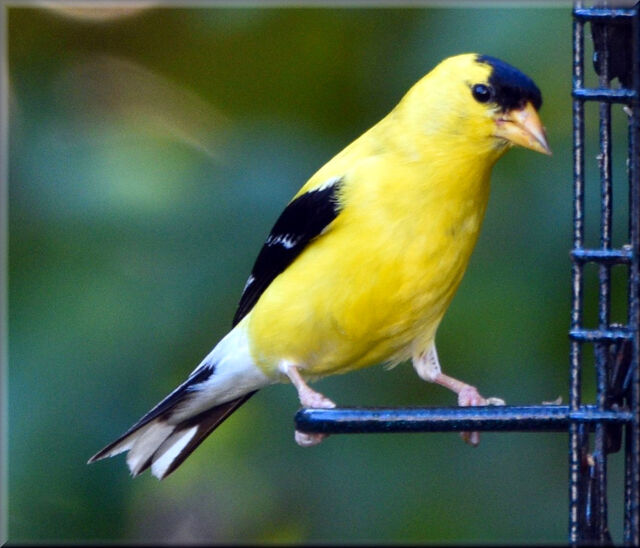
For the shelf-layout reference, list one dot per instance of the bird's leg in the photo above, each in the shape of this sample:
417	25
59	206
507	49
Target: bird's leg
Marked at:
308	398
428	368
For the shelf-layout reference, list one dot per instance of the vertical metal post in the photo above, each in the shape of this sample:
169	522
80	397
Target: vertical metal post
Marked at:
576	432
632	460
599	456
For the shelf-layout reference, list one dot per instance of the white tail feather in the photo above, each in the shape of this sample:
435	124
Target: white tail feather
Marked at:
146	442
125	444
169	450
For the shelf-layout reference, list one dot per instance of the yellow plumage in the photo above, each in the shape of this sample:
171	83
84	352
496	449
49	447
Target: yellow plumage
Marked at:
374	287
362	264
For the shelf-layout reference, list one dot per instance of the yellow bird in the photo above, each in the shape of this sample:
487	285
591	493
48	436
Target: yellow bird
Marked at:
363	262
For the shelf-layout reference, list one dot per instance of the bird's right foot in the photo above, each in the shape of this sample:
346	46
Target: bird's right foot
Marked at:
470	397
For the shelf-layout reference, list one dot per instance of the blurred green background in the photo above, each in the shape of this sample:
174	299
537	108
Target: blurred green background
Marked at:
151	150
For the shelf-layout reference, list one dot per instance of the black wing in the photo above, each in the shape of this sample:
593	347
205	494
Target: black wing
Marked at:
301	221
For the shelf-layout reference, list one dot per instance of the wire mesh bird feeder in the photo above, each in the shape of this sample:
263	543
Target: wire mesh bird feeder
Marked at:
612	422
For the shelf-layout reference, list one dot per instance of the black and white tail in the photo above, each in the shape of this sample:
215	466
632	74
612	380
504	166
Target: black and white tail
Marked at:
164	437
163	446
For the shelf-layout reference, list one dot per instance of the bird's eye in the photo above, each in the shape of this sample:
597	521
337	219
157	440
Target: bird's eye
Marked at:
481	93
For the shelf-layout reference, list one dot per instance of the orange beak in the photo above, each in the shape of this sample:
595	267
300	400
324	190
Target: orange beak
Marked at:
523	127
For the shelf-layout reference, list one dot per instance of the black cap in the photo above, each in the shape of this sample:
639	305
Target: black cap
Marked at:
511	88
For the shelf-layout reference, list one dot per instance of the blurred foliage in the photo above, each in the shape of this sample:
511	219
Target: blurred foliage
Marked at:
151	149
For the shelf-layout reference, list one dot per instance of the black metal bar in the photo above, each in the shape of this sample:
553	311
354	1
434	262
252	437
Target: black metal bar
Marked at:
585	518
628	489
603	256
598	468
632	460
601	335
606	95
552	418
611	15
576	432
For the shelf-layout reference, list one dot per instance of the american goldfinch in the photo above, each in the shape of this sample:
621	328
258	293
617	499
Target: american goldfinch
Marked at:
363	262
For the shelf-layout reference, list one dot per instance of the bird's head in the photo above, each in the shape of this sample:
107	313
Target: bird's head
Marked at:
480	100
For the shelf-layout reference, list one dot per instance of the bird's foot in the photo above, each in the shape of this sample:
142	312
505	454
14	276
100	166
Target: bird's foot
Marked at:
428	367
308	398
305	439
470	397
313	399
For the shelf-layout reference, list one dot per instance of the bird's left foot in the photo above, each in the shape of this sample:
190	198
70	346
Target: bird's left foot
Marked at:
470	397
308	398
313	399
304	439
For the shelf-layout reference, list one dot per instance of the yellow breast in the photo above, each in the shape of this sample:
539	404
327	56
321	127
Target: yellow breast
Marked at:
379	280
